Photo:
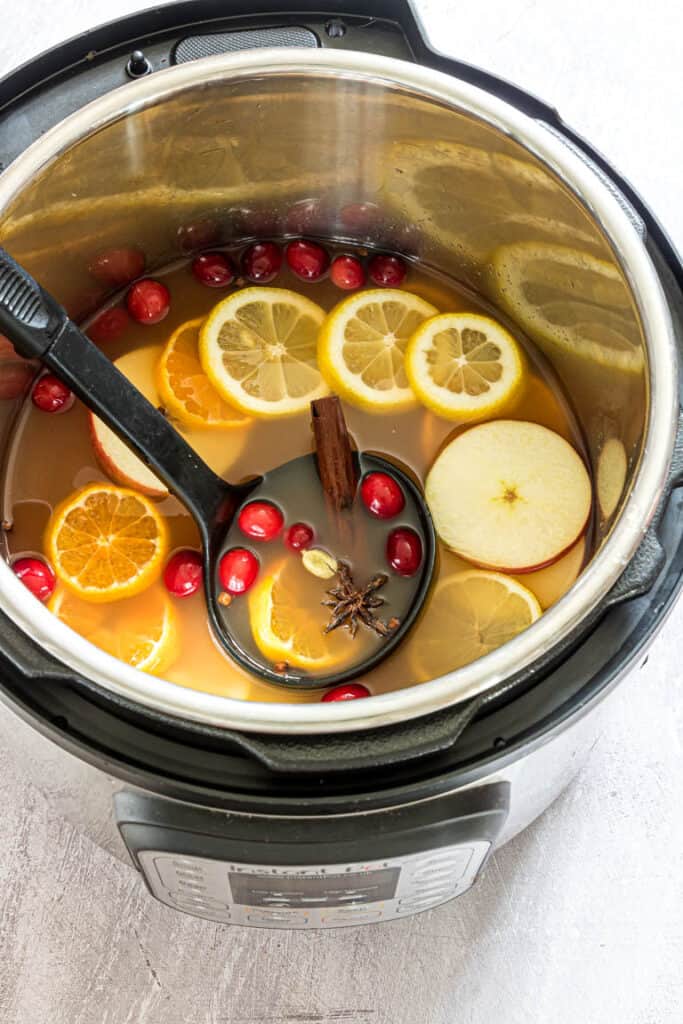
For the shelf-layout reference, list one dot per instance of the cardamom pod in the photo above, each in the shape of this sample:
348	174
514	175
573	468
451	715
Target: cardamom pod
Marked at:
319	563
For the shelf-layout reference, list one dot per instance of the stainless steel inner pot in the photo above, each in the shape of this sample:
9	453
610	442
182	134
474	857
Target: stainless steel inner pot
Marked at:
462	181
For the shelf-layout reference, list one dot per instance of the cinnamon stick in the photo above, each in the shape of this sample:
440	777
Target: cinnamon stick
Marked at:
336	464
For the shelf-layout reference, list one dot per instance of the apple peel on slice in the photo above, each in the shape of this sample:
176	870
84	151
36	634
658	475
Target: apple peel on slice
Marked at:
509	495
115	458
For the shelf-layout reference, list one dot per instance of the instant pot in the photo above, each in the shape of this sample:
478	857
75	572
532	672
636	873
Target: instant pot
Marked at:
298	118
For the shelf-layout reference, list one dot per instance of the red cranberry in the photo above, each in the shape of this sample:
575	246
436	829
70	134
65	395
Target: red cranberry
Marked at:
183	573
261	262
237	570
117	267
387	271
308	260
381	495
261	520
148	301
299	536
347	272
359	216
37	575
197	235
404	551
109	325
346	691
213	269
51	395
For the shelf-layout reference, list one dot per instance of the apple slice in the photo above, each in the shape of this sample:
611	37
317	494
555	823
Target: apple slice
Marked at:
509	495
115	458
611	476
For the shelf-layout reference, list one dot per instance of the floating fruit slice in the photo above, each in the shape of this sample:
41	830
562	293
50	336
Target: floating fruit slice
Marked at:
115	457
362	347
106	543
282	625
185	390
464	366
509	495
570	299
478	611
142	630
258	348
611	475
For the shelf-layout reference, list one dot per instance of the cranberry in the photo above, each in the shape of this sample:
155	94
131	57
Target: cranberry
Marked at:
117	267
261	262
51	395
308	260
237	570
381	495
261	520
359	216
109	325
183	573
197	235
387	271
346	691
148	301
299	536
213	269
347	272
37	575
404	551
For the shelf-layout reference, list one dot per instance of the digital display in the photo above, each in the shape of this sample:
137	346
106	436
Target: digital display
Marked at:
321	890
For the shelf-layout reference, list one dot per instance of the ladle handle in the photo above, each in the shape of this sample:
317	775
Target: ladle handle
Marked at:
39	328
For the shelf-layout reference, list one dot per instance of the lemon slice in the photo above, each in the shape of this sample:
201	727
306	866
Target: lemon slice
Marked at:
470	614
258	349
185	389
463	366
142	630
282	625
570	299
362	347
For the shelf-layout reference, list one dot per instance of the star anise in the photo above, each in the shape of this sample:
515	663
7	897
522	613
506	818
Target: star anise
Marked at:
352	605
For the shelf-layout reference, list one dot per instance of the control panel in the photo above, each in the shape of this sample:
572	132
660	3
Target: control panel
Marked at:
321	896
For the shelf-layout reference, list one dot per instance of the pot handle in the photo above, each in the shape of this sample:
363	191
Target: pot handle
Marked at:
39	328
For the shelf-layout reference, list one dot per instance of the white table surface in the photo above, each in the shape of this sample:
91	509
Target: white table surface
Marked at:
577	921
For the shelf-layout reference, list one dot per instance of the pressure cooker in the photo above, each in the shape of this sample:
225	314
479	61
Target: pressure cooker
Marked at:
286	815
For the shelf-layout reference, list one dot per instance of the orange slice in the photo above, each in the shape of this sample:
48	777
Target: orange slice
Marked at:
106	542
142	630
283	626
185	389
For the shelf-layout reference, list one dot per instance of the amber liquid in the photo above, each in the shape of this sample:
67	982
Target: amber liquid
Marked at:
52	456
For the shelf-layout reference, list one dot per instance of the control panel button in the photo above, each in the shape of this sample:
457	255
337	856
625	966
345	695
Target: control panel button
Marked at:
274	917
348	916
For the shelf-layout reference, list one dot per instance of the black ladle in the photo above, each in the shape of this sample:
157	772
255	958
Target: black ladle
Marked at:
39	328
